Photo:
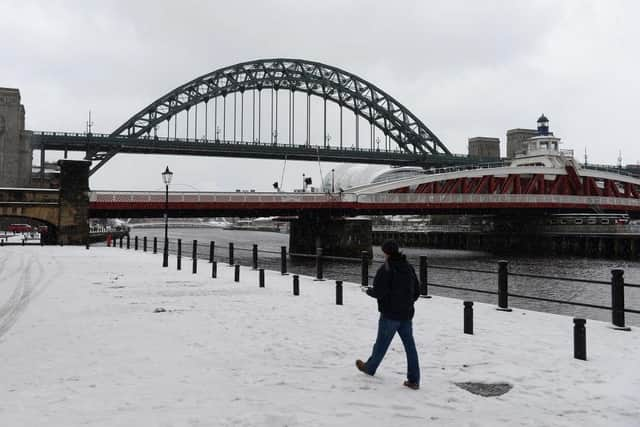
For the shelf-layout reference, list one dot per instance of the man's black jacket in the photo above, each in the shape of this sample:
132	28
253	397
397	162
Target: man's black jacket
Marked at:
396	288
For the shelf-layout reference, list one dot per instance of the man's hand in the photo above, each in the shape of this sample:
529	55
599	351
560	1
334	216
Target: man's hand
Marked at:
364	289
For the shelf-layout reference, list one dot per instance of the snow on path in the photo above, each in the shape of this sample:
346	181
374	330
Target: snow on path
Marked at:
88	349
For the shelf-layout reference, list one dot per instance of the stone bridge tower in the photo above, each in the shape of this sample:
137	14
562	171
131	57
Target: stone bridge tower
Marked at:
15	144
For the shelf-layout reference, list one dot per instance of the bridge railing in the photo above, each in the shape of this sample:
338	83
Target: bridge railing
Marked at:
399	198
364	199
198	197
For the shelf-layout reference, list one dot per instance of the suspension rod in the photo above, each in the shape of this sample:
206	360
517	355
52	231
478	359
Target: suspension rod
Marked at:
241	115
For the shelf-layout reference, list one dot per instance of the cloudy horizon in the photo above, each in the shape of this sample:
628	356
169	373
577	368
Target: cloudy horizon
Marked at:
464	68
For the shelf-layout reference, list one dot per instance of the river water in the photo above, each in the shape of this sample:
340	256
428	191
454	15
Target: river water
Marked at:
569	267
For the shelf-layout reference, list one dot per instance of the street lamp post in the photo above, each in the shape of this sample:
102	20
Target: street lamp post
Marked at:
166	178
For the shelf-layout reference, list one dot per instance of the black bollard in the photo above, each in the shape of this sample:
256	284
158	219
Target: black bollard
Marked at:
255	256
617	299
236	275
128	242
194	257
261	277
503	286
214	269
579	339
364	269
87	244
121	242
155	245
135	243
61	242
296	285
283	260
212	246
144	244
424	287
338	292
179	255
319	266
230	253
468	317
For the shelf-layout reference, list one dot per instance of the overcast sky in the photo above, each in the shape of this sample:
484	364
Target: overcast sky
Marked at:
465	68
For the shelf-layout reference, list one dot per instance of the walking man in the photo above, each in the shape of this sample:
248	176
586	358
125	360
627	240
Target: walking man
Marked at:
396	288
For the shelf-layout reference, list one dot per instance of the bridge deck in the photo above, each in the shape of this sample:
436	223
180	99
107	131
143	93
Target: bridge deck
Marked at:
243	149
139	204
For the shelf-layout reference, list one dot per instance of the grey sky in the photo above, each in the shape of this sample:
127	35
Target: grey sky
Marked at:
465	68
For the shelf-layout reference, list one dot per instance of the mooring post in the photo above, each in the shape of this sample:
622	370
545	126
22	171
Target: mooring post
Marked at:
179	254
236	275
214	269
120	242
135	243
296	285
255	256
468	317
155	245
212	246
283	260
144	244
503	286
319	264
261	277
424	287
194	257
579	339
128	242
364	269
617	299
230	253
338	292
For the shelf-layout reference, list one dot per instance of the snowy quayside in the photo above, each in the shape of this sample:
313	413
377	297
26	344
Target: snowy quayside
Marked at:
107	337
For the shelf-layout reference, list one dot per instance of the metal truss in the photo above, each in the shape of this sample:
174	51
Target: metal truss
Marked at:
569	184
330	83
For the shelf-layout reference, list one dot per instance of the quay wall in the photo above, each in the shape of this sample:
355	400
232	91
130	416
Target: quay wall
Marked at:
590	246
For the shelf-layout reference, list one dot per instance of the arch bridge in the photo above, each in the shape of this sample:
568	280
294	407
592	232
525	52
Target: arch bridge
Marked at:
249	110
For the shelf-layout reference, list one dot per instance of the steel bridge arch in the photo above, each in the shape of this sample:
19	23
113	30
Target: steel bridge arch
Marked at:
314	78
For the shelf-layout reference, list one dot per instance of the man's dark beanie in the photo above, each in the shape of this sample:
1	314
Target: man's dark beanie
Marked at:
390	247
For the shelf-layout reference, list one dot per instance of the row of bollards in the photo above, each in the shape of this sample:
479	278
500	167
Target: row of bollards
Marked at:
579	324
579	331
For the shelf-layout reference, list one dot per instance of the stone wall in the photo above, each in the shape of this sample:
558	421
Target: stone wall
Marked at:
346	237
73	225
516	140
15	143
484	147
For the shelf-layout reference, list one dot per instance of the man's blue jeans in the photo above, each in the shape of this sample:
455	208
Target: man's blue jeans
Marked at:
387	328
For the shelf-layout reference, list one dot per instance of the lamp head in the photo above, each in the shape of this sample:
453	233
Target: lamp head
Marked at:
166	176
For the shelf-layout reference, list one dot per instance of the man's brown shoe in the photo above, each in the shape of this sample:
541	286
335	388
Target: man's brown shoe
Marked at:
412	386
361	366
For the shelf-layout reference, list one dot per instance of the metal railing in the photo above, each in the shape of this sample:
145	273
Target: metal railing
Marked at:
209	250
364	199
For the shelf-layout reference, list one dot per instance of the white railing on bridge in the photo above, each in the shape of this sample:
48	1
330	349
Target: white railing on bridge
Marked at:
364	199
399	198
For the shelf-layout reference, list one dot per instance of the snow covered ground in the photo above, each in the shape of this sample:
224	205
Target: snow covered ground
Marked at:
81	344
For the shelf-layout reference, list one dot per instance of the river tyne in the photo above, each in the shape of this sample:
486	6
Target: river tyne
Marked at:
269	244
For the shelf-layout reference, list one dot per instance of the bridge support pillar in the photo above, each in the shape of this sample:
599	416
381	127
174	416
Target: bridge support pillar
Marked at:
346	237
73	219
